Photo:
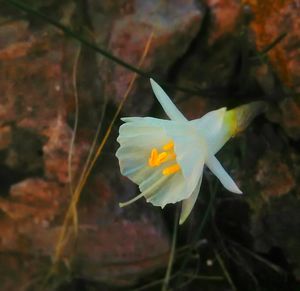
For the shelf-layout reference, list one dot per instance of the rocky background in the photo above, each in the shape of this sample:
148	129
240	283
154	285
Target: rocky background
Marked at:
209	54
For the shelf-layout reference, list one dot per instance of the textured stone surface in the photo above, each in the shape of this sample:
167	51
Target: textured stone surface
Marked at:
272	19
225	15
37	103
5	137
276	225
173	27
221	59
278	181
287	115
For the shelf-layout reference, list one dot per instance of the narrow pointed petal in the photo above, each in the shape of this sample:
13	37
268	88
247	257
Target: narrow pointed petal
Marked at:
166	103
214	165
188	204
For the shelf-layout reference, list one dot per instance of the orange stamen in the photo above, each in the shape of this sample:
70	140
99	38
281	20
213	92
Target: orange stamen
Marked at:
169	146
153	158
171	170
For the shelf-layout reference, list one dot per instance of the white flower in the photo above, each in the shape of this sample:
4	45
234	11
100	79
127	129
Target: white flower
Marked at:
166	157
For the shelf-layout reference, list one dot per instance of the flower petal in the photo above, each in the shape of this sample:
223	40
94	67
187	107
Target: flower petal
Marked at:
172	190
166	103
235	121
137	138
210	127
188	204
210	122
214	165
190	151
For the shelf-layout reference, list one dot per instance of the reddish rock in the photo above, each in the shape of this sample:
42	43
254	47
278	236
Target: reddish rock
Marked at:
36	96
193	107
225	15
271	20
211	62
33	201
56	152
132	249
290	119
127	32
13	32
5	137
119	245
112	245
37	191
33	70
274	176
287	116
19	273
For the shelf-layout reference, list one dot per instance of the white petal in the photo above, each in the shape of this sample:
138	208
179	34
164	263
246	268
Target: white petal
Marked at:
148	193
171	191
188	204
137	138
235	120
190	151
190	155
210	127
214	165
211	121
166	103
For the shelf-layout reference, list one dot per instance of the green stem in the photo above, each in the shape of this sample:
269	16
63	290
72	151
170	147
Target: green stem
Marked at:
172	254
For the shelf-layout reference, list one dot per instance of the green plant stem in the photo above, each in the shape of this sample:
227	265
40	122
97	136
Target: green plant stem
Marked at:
226	273
172	253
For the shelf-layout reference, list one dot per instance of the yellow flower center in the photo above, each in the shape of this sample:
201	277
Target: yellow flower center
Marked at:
156	158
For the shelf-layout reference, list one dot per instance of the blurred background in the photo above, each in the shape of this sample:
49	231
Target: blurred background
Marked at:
65	67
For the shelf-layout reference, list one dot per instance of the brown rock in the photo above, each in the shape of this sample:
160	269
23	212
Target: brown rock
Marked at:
21	211
290	119
225	15
34	201
128	30
56	152
193	107
271	20
114	245
5	137
37	191
128	244
210	64
274	176
13	32
276	225
287	116
21	273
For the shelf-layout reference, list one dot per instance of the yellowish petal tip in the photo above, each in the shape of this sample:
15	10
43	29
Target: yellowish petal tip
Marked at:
121	204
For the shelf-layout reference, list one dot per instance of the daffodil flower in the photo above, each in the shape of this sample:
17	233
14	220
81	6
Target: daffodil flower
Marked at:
166	157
